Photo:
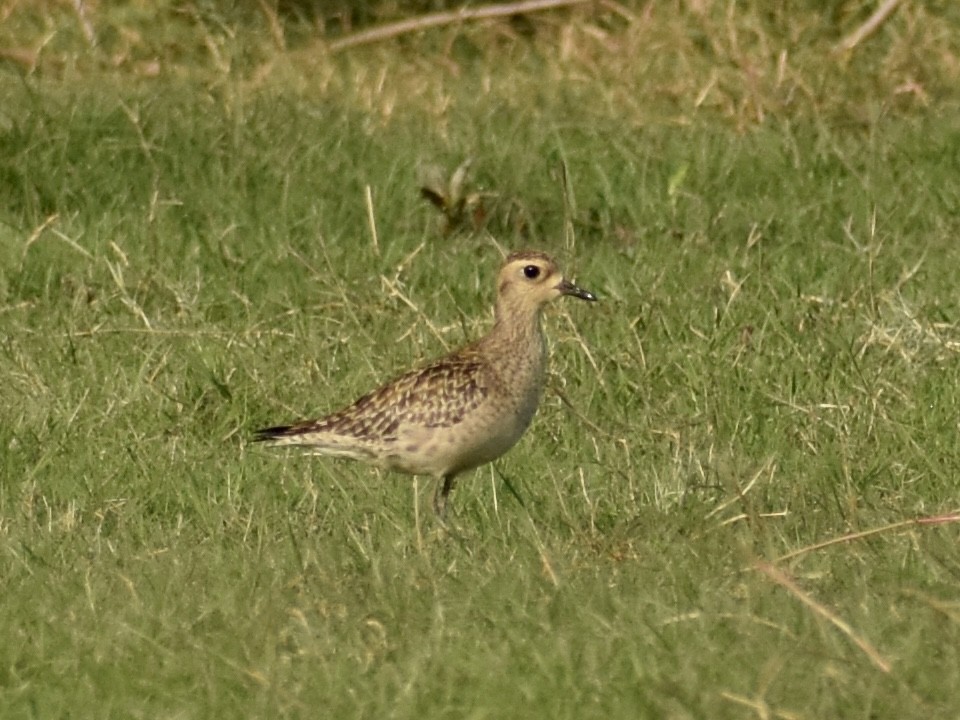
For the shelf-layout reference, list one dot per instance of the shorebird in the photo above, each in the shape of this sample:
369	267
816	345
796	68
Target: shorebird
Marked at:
463	410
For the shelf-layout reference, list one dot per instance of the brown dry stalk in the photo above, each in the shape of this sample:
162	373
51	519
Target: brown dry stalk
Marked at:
450	17
759	706
850	537
869	27
273	20
782	579
86	26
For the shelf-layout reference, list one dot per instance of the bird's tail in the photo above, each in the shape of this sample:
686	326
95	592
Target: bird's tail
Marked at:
316	440
280	434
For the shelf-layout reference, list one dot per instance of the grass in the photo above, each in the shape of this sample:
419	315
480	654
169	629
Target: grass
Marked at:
712	514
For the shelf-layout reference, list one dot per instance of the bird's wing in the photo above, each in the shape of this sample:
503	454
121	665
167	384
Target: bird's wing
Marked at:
438	395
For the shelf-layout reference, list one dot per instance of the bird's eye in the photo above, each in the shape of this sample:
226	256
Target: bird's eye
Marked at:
532	272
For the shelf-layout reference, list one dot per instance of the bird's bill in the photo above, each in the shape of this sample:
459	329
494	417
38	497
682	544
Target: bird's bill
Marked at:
568	288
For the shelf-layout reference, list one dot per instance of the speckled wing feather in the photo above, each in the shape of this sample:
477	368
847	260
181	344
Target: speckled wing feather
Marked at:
436	396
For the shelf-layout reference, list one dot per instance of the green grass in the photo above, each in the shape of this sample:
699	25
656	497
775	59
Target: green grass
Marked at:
775	364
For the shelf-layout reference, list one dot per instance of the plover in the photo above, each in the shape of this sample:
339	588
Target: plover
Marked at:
461	411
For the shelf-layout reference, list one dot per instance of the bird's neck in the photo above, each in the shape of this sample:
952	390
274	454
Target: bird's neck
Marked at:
518	334
520	322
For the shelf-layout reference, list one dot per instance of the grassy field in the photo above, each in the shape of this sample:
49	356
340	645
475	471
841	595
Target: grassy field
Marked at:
741	496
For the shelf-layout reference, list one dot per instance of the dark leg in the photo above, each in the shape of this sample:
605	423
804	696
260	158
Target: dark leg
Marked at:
440	496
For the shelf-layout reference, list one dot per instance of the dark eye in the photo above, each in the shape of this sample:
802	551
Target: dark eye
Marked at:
532	272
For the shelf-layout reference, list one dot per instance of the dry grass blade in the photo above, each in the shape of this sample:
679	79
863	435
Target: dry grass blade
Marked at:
274	23
439	19
38	231
371	219
850	537
869	27
768	468
86	26
759	706
950	610
782	579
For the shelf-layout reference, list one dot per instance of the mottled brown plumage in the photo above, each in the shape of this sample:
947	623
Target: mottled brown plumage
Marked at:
461	411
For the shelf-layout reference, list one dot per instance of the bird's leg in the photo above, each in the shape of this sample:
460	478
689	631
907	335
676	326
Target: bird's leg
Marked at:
440	496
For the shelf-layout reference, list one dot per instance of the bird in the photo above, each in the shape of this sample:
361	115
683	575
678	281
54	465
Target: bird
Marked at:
462	410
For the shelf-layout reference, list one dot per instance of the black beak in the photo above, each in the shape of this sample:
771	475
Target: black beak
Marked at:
568	288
